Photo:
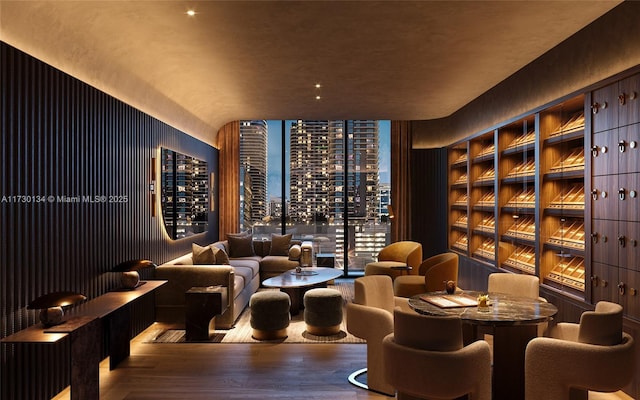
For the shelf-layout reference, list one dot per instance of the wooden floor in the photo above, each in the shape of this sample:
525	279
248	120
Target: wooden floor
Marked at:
224	371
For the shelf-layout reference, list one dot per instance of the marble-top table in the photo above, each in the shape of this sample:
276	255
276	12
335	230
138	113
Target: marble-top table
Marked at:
514	321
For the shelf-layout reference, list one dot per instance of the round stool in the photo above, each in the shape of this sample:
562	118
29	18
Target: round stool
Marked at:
323	311
270	314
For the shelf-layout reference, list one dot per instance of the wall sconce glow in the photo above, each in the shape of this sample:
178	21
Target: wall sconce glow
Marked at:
191	13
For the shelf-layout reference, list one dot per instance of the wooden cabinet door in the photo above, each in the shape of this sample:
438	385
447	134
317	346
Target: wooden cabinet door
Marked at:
629	245
628	195
604	108
604	197
629	158
629	291
604	153
628	102
604	283
604	244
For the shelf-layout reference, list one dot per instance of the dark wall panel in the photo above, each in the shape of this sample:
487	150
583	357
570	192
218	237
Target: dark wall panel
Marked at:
63	140
428	199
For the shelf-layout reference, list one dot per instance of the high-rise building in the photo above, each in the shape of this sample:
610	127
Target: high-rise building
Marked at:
331	172
385	199
253	161
309	174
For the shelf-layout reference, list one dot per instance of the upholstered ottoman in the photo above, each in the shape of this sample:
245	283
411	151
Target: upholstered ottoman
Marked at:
270	315
323	311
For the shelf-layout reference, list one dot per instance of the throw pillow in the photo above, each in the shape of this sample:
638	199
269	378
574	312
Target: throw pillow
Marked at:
221	256
240	246
294	252
202	255
280	244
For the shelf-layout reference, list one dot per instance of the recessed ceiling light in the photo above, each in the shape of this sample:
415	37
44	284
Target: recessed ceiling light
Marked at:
318	86
191	13
317	97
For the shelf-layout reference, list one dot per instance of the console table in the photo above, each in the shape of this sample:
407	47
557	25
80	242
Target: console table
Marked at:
84	334
114	310
83	326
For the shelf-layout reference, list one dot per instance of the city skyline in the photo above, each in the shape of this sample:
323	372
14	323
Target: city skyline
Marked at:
274	155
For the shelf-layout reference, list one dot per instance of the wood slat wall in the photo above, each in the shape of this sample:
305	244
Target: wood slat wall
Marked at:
428	199
61	137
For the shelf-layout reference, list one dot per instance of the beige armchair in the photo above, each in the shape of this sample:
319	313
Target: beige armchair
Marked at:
425	358
370	317
432	274
521	285
515	284
398	254
593	355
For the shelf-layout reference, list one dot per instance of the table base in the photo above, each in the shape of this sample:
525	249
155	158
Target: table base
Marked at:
509	346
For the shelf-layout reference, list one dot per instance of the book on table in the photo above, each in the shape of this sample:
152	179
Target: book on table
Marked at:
451	300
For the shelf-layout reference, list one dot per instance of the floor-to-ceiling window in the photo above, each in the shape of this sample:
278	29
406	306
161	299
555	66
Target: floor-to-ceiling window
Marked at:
326	182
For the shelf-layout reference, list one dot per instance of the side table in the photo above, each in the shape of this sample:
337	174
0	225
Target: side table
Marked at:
202	305
403	269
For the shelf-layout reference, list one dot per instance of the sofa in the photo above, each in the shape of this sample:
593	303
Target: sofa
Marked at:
241	272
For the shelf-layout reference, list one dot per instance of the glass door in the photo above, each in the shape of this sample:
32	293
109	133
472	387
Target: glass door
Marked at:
325	182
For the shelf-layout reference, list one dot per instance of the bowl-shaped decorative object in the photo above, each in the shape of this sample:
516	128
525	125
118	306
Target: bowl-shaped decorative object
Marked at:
130	277
51	306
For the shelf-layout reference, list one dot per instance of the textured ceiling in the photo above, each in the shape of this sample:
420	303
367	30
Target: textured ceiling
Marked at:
261	60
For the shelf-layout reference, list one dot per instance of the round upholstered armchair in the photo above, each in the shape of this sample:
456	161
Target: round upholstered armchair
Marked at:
594	355
394	257
370	317
432	274
424	358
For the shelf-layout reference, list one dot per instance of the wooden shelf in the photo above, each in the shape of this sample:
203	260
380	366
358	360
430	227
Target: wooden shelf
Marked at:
487	250
524	187
522	259
462	243
569	272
